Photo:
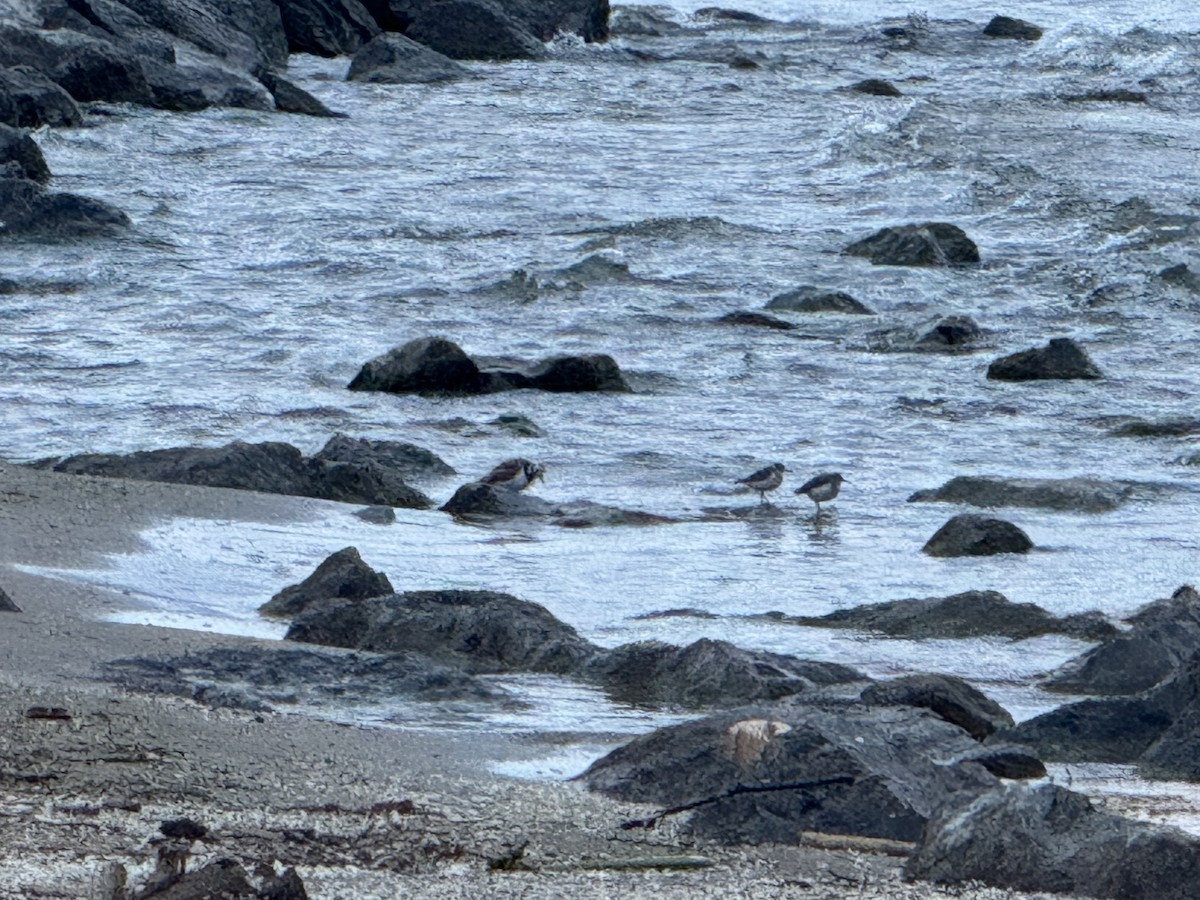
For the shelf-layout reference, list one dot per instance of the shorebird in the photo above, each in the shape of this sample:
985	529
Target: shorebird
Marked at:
821	489
764	480
514	474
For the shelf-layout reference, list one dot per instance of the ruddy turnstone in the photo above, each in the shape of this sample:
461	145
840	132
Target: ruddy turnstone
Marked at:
822	488
764	480
514	474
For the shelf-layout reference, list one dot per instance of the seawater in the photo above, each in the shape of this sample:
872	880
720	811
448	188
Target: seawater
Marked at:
272	255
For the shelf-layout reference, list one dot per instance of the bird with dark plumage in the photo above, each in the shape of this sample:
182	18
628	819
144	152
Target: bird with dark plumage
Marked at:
514	474
764	480
821	489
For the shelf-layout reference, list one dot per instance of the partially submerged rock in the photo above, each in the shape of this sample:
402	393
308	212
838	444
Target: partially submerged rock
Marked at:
478	499
291	99
975	535
396	59
472	29
755	320
341	576
28	211
930	244
406	460
1062	358
1014	29
1181	427
20	150
28	99
1047	838
876	87
949	334
1063	494
809	298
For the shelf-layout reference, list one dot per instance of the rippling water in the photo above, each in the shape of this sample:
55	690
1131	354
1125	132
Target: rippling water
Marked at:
273	254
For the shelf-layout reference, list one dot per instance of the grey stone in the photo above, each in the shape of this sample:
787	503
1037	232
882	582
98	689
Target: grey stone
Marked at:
930	244
1062	358
396	59
341	576
975	535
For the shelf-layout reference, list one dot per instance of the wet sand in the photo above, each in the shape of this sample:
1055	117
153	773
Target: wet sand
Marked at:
361	813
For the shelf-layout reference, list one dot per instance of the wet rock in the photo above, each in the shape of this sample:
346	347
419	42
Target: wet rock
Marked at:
221	878
1015	29
952	332
592	270
975	535
20	150
1114	95
546	18
1165	635
738	16
1063	494
6	603
406	460
517	424
28	99
326	27
969	614
931	244
1160	428
1062	358
949	697
29	211
269	467
246	34
755	320
636	21
424	365
86	67
479	631
571	374
341	576
473	29
876	87
890	760
1147	226
683	613
1178	276
396	59
707	673
1047	838
812	299
185	829
1004	761
1115	730
195	86
487	500
291	99
377	515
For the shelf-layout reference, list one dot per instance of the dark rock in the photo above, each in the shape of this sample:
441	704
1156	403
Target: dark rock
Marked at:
291	99
592	270
876	87
88	68
222	878
269	467
6	603
187	88
424	365
949	697
488	500
569	374
547	18
186	829
326	27
707	673
377	515
1165	635
1016	29
286	886
396	59
892	757
754	319
1118	95
342	576
517	424
931	244
808	298
28	99
1178	275
951	332
1064	494
248	34
1161	428
29	211
975	535
1047	838
1005	761
473	29
1173	755
1152	227
1061	358
481	631
406	460
740	16
19	148
1115	730
636	21
969	614
688	613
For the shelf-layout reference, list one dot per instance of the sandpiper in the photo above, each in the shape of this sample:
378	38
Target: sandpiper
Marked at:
821	489
764	480
514	474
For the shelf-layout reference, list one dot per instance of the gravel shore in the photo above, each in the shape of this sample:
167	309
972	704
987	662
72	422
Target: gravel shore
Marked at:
359	812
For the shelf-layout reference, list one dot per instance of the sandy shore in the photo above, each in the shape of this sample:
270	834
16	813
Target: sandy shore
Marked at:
361	813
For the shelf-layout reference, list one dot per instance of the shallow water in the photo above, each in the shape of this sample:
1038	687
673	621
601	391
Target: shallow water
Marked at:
273	254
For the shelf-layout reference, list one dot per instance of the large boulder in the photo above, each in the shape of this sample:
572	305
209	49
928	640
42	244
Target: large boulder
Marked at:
326	27
473	29
707	673
247	34
292	99
404	459
947	696
965	615
29	211
570	374
1014	29
1064	494
396	59
28	99
479	631
1116	730
1165	635
879	772
754	320
269	467
341	576
478	499
931	244
975	535
22	151
88	68
547	18
187	87
1062	358
812	299
1048	839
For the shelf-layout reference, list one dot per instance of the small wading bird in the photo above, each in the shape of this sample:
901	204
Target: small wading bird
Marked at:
821	489
764	480
514	474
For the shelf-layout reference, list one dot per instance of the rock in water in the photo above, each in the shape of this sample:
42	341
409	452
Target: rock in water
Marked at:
1061	358
342	576
20	150
28	99
809	298
1015	29
975	535
396	59
424	365
1067	494
931	244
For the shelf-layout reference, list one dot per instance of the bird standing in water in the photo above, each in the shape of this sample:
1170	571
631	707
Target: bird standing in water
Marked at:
764	480
514	474
821	489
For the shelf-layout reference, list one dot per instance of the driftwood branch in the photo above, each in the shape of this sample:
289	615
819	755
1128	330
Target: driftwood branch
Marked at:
734	792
